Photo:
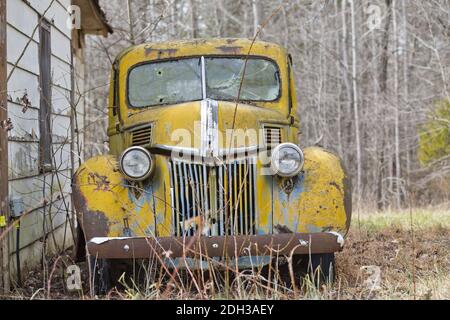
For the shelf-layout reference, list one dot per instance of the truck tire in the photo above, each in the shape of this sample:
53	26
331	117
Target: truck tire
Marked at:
322	268
100	276
317	268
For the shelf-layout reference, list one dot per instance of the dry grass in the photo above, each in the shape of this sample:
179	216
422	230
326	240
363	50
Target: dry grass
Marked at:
385	240
412	265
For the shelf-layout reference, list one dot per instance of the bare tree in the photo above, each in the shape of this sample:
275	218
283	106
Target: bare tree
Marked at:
363	91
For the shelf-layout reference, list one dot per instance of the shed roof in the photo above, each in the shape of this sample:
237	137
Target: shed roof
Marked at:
93	18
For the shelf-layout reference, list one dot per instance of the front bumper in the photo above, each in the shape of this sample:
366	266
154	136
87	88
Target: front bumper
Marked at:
221	246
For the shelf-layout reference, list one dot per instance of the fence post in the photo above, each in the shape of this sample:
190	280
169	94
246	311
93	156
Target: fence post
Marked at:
4	204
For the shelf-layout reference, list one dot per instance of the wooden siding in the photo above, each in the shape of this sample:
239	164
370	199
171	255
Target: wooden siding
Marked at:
25	179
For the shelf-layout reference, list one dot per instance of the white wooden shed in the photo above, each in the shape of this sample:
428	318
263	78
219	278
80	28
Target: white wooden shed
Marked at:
41	118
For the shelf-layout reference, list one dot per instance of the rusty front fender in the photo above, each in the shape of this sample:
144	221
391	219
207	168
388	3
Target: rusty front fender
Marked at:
318	200
105	203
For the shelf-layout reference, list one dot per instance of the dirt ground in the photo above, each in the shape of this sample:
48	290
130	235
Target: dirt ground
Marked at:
385	257
408	269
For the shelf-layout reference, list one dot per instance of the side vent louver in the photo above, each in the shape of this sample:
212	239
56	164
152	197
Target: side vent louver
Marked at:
272	136
142	137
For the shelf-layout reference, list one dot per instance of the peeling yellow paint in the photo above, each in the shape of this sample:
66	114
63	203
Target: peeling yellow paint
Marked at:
320	204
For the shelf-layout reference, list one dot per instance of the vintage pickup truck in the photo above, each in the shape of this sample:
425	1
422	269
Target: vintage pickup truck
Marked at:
205	164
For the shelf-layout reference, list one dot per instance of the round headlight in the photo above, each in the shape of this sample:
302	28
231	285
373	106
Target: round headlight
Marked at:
136	163
287	160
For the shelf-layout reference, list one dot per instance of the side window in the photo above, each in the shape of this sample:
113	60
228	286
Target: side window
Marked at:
45	142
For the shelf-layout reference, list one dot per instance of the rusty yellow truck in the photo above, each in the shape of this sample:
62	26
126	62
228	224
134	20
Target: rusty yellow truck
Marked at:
205	164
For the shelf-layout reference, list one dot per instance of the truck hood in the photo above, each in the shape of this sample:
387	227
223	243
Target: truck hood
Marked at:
192	124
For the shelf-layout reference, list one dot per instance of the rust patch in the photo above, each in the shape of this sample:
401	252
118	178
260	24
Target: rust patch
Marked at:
334	184
287	185
347	196
229	49
199	41
161	52
93	223
282	229
101	181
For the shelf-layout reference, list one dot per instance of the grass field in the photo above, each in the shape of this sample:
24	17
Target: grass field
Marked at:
387	255
414	260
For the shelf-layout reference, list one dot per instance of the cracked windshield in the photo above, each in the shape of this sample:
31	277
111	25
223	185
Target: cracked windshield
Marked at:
180	81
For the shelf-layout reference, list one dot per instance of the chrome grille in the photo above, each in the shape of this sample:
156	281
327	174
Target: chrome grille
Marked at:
213	200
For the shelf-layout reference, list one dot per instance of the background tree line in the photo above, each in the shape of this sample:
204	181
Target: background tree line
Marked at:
372	78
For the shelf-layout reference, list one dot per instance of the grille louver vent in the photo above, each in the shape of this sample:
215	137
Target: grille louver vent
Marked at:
272	136
142	137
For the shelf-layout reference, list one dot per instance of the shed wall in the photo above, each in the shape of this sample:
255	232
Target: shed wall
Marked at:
28	185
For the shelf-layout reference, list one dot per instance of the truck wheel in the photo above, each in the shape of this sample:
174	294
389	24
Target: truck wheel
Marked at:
100	279
322	268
